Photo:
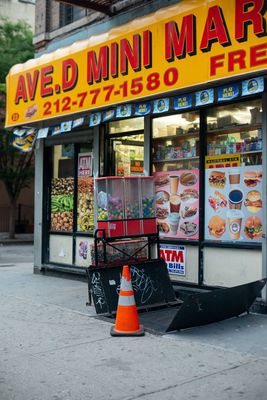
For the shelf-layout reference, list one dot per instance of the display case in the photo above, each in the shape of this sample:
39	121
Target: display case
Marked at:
110	205
175	142
148	211
133	217
126	206
236	129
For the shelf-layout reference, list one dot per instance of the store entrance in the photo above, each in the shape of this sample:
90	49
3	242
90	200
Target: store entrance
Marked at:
125	147
127	155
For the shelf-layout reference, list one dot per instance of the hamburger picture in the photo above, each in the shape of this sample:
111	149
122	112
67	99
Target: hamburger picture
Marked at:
217	179
162	180
216	226
189	194
188	179
252	178
253	201
253	227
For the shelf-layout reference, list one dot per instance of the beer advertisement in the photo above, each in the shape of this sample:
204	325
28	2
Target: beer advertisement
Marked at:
233	204
177	203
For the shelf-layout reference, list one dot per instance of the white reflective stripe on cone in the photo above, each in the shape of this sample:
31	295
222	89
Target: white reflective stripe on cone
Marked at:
126	285
126	301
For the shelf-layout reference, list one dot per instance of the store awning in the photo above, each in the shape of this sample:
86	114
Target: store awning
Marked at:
150	56
103	6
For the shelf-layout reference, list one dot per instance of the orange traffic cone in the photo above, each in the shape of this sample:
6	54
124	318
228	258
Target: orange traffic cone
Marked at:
127	322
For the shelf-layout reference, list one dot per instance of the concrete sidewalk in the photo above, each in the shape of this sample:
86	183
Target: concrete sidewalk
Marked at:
53	348
20	239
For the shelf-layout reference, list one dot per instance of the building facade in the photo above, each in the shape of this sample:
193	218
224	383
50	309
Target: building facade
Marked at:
16	10
173	90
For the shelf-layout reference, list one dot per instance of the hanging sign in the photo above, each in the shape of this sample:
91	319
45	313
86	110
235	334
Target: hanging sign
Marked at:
228	92
252	86
182	102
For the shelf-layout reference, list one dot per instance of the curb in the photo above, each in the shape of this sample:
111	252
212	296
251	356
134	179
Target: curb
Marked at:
8	242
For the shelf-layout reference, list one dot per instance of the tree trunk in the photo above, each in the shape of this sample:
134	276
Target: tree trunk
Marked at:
12	219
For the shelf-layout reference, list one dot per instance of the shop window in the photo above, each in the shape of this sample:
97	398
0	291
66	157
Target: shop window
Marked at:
175	163
127	147
233	175
175	143
62	188
127	125
72	203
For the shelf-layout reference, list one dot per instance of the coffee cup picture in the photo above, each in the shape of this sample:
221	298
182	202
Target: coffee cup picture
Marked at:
234	219
174	183
235	199
175	203
174	219
234	176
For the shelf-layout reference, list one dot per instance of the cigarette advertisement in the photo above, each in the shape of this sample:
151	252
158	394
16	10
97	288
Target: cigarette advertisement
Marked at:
177	203
233	204
174	256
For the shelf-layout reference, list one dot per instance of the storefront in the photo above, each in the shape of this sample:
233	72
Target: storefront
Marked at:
180	96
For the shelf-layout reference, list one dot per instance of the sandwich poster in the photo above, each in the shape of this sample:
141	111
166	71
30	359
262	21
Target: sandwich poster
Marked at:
177	203
233	204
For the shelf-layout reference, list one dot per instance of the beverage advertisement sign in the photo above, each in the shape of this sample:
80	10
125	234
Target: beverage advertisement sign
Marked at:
233	204
177	203
174	256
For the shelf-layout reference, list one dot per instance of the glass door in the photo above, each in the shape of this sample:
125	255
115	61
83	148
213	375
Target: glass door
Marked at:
128	155
126	148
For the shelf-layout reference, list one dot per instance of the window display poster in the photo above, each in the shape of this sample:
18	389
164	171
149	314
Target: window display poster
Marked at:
177	203
174	256
85	164
82	252
233	204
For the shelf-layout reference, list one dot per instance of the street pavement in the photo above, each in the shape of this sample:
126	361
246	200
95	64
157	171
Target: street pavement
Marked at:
52	347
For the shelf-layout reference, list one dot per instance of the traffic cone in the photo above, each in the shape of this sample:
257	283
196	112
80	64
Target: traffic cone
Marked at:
127	321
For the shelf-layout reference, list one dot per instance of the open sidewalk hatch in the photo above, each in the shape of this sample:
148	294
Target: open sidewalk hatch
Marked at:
163	307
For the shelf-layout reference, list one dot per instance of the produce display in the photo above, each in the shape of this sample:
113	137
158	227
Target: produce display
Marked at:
62	204
85	204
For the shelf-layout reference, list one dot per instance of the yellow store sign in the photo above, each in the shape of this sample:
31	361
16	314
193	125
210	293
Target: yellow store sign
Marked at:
178	47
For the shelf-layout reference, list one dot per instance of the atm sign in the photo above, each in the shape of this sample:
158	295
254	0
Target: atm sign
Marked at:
174	256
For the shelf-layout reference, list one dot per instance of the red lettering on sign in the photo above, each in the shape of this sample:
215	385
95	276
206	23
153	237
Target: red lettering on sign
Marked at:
179	44
171	255
249	12
21	90
97	69
32	83
46	81
258	55
69	74
130	55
